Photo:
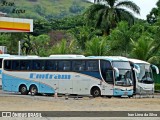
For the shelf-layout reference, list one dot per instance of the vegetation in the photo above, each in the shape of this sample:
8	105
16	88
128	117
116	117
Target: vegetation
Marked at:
107	14
45	9
157	87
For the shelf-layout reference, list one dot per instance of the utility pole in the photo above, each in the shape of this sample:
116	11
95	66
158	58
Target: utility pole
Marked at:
19	48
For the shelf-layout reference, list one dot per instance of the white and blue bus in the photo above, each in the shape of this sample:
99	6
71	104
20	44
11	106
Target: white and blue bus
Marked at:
143	80
1	58
81	75
123	82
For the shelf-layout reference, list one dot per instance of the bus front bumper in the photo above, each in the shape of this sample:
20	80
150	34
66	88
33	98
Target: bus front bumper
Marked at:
122	92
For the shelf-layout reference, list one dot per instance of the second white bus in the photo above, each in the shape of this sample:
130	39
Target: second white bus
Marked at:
143	81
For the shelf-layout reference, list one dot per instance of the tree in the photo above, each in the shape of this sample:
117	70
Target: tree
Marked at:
146	48
67	23
5	39
83	34
13	44
27	47
120	39
40	45
107	13
64	47
41	27
153	16
97	46
37	45
75	7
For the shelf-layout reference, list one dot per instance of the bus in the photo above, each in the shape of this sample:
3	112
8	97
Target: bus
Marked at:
1	58
123	81
76	75
143	80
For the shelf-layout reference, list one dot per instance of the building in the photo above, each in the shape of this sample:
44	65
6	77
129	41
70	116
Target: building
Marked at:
2	14
3	50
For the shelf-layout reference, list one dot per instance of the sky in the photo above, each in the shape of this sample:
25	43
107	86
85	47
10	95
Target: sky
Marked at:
145	6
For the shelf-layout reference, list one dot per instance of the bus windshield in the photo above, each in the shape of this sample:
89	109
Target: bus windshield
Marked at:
145	75
125	74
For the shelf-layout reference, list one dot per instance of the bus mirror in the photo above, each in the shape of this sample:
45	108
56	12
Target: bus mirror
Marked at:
116	71
156	68
136	68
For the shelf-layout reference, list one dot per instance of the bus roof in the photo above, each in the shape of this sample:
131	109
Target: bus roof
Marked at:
4	55
17	56
67	56
111	58
138	61
47	58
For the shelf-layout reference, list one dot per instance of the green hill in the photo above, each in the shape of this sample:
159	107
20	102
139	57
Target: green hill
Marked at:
37	9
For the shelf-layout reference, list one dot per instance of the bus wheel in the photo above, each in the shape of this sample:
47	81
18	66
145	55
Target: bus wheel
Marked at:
33	90
130	96
109	96
95	92
23	90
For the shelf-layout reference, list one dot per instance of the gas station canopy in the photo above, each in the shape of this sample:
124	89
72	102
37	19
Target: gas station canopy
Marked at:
8	24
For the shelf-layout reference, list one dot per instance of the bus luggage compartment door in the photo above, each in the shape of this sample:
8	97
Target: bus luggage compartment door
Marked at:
65	86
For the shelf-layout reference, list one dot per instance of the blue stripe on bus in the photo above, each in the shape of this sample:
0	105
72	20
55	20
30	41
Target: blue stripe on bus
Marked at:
0	71
92	74
8	86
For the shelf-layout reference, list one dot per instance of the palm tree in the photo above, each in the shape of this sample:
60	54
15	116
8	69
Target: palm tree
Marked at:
107	13
144	49
97	46
65	47
27	46
120	39
83	34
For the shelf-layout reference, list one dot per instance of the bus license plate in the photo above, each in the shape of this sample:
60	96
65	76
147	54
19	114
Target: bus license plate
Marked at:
125	93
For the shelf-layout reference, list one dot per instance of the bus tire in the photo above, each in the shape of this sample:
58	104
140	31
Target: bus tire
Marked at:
95	92
130	96
109	96
33	90
23	90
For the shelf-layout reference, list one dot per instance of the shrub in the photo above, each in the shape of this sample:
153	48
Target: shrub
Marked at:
157	86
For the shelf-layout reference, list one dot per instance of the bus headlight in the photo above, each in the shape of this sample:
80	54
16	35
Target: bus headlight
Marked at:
117	89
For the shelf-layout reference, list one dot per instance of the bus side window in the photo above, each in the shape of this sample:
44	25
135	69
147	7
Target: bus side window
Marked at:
50	65
78	65
38	65
25	64
7	64
92	65
15	65
64	65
